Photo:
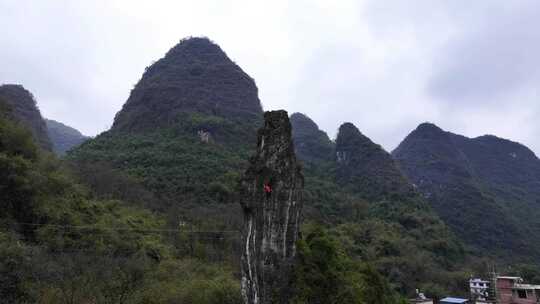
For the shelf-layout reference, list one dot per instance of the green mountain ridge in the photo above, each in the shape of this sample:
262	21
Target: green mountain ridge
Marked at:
486	188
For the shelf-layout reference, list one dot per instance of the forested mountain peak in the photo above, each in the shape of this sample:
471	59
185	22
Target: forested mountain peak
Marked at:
366	166
349	137
425	131
312	145
428	127
194	49
23	109
194	77
427	134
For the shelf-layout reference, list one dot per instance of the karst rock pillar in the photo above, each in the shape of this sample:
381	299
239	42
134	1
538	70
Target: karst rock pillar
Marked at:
271	199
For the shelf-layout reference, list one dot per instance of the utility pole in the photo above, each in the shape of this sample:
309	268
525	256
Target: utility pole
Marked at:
493	295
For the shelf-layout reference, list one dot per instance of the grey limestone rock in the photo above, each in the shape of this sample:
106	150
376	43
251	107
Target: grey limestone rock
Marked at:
272	220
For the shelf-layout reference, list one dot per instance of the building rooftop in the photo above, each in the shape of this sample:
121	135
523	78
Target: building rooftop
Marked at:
509	278
478	280
526	286
454	300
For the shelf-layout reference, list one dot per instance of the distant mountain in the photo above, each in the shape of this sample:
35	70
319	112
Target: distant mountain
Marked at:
486	188
312	145
23	109
63	137
366	167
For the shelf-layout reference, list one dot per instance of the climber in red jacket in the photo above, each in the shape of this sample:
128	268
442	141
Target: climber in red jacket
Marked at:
268	190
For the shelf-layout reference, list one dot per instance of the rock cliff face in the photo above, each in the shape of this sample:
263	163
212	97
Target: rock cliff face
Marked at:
312	145
486	188
195	76
63	137
272	220
366	168
23	109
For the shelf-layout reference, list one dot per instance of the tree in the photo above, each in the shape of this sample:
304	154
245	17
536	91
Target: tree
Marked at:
324	274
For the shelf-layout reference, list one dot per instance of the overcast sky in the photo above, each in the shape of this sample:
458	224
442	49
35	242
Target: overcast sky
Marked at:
471	67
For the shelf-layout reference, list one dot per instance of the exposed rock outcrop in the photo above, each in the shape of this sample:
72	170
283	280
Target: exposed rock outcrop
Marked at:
312	144
23	109
272	219
63	137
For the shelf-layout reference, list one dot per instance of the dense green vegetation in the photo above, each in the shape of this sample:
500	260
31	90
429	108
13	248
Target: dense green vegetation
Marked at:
400	236
189	180
64	242
326	274
377	217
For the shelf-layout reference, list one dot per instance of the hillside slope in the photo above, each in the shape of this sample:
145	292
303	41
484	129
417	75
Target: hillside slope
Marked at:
485	188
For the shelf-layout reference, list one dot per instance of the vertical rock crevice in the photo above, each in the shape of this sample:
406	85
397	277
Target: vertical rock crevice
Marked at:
271	199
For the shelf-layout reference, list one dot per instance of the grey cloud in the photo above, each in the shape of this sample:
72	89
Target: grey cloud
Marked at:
490	59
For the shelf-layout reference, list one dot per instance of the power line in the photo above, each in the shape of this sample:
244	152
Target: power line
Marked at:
88	227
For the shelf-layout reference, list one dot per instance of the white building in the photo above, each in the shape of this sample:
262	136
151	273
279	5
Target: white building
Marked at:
479	289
